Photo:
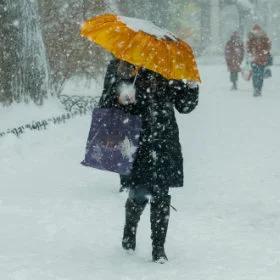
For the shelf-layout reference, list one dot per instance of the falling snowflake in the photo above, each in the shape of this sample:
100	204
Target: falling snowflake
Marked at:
16	23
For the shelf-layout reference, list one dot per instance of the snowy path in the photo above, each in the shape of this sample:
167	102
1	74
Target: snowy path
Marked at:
62	221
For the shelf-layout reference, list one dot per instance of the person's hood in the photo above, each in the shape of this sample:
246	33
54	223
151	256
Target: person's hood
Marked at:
235	37
256	28
257	31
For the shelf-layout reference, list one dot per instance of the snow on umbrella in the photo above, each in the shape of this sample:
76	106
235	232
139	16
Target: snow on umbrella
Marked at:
143	44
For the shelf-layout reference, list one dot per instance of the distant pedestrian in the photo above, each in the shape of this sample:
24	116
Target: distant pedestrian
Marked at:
234	54
258	47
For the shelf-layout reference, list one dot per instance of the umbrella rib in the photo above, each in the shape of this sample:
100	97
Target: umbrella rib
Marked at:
125	51
146	46
168	57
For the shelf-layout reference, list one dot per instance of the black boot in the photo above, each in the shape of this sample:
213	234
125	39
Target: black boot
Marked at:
160	211
257	92
234	86
133	212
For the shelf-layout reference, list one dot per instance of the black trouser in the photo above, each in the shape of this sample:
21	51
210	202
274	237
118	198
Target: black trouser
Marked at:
141	194
258	76
160	209
233	77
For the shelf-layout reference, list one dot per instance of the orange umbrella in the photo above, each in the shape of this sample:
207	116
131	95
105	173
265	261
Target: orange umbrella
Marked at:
143	44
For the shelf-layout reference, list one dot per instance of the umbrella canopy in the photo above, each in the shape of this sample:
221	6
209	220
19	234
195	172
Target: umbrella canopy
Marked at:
143	44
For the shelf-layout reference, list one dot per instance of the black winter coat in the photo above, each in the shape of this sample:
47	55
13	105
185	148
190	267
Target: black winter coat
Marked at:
159	158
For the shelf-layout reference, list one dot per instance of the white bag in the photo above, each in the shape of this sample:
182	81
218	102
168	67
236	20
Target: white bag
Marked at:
246	71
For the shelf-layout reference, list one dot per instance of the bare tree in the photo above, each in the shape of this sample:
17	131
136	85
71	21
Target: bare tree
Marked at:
8	57
68	53
24	67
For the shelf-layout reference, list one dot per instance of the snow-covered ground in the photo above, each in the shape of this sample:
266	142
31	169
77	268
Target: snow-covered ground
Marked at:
62	221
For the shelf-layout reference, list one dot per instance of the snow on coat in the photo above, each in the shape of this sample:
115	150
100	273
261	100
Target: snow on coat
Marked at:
234	53
258	46
159	158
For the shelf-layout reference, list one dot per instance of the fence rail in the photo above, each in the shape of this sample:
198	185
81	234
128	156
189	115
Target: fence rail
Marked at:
74	105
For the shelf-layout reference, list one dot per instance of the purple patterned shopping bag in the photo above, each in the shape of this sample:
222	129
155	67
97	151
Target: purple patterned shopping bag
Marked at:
113	140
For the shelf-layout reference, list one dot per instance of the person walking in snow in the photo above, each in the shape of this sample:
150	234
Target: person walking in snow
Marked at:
234	54
159	162
258	48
